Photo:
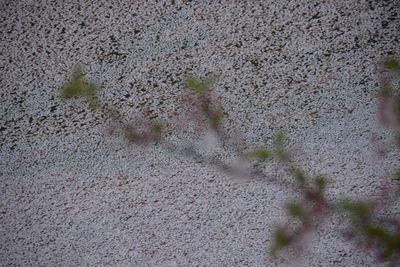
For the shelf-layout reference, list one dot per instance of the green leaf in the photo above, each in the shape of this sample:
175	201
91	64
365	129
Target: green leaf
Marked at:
279	139
193	84
391	247
388	242
391	64
216	117
79	87
280	240
359	210
320	183
299	175
197	85
295	209
376	232
385	90
260	154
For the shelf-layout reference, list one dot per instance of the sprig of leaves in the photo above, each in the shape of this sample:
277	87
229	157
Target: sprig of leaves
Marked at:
199	86
384	239
280	239
392	64
216	117
78	87
259	154
278	151
307	211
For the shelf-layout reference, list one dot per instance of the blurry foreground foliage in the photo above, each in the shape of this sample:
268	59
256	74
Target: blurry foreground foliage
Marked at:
78	87
379	233
391	64
199	86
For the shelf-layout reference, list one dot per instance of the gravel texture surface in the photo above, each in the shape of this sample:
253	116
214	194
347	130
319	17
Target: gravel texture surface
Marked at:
73	196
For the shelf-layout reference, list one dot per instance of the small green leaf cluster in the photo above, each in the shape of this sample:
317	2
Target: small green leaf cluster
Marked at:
280	239
315	185
392	64
216	117
385	240
299	176
259	154
199	86
78	87
278	151
388	242
295	209
306	211
359	211
386	90
152	132
214	113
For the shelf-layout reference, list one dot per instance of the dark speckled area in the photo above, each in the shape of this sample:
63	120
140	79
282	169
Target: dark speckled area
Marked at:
71	196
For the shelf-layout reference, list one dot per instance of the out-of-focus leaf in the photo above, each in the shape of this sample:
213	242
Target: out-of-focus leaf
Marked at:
279	139
387	242
216	117
79	87
280	240
376	231
385	90
320	183
260	154
358	209
197	85
392	64
131	135
299	175
295	209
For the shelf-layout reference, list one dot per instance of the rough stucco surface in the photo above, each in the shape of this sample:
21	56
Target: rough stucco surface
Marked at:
71	196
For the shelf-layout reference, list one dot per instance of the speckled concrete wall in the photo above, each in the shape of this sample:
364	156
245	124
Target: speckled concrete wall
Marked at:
71	196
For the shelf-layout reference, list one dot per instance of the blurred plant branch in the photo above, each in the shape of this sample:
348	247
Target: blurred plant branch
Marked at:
381	234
